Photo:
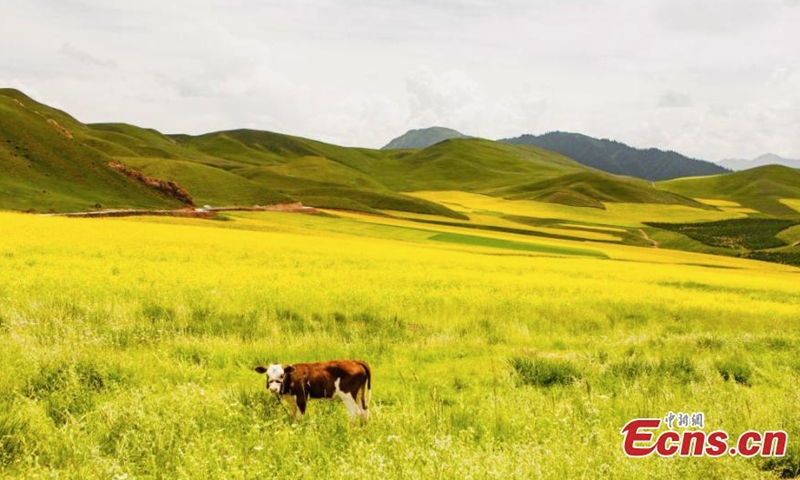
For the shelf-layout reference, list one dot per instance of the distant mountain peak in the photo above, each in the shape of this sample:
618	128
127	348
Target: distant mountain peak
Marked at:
771	158
423	138
760	161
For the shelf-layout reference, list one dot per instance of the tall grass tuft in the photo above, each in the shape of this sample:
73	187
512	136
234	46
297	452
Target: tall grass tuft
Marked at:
12	435
735	368
544	372
680	368
631	368
787	466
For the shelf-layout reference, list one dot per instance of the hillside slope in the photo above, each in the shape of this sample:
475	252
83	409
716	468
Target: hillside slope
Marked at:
618	158
591	189
759	188
47	168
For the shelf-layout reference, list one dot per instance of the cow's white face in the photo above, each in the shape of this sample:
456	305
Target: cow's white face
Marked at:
275	376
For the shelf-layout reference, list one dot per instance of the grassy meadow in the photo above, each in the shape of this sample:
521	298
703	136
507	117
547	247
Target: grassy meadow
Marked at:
128	346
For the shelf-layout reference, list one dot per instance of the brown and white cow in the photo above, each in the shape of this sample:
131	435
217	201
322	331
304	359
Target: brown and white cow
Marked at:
349	380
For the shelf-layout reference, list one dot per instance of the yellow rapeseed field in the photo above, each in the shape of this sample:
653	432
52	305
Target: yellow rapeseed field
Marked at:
128	347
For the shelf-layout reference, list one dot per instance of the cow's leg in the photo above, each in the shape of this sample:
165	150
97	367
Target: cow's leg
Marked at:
350	404
292	401
348	400
300	404
363	410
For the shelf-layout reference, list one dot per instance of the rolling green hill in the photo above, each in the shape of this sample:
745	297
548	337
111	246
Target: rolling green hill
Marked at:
44	111
65	168
758	188
47	168
477	165
325	175
591	189
108	137
254	147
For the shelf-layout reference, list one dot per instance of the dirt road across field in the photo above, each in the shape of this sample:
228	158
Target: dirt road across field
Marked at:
646	237
204	212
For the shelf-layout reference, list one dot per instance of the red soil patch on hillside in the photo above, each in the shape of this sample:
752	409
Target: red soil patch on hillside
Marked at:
169	188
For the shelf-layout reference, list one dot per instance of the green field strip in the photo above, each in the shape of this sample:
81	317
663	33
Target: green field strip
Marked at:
517	231
512	245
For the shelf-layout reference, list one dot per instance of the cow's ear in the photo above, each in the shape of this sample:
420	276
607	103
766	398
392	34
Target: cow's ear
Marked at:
288	369
260	369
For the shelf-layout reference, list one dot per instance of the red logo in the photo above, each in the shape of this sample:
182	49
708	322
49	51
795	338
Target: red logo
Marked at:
642	438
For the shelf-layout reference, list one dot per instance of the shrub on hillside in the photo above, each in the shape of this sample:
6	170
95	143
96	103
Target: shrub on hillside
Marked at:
736	234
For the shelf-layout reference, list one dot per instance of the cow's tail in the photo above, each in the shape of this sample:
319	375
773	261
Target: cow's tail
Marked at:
366	390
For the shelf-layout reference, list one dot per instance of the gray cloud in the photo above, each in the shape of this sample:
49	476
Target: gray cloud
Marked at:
84	57
673	99
714	17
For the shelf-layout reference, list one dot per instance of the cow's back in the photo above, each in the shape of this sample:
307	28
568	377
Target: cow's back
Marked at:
322	379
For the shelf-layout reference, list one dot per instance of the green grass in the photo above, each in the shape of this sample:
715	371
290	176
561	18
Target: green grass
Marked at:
735	369
324	171
544	372
790	235
514	245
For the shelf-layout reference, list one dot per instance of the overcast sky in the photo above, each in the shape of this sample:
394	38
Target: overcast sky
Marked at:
711	79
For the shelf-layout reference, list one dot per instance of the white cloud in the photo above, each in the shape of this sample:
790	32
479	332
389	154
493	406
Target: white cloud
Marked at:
673	99
440	98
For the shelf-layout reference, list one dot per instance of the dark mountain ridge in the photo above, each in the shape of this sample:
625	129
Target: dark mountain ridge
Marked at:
618	158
